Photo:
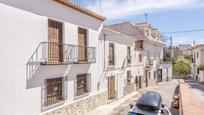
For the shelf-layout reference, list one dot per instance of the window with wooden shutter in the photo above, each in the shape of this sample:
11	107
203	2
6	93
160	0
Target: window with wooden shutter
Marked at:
83	84
139	44
54	91
55	33
82	45
140	57
111	54
128	55
128	77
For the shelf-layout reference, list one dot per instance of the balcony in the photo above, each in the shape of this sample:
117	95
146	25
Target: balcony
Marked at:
54	53
48	53
149	63
68	54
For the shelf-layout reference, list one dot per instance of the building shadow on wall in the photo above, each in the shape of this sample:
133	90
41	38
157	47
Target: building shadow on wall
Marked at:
54	71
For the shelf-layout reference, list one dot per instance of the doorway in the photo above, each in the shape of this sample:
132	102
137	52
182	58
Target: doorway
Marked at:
82	45
159	75
146	78
111	87
55	54
140	81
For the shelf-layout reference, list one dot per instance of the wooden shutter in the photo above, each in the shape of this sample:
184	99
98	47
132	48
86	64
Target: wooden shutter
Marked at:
82	42
112	87
55	41
139	44
111	54
54	91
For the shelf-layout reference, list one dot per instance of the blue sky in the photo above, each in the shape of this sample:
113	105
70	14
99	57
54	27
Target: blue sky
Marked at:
166	15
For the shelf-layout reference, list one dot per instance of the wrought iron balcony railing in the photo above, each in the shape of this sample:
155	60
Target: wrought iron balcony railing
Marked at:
149	63
55	53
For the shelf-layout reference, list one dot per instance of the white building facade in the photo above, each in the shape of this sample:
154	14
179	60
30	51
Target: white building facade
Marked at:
50	58
198	55
122	64
58	59
148	39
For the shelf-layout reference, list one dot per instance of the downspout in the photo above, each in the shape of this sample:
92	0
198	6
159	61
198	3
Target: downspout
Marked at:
104	62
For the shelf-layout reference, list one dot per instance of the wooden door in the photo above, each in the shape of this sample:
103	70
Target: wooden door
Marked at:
55	53
82	42
136	82
111	54
111	87
146	78
140	82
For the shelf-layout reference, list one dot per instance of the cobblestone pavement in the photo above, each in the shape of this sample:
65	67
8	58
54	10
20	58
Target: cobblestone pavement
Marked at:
198	89
166	89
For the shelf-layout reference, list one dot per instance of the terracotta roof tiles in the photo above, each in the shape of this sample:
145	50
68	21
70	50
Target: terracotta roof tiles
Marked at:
80	9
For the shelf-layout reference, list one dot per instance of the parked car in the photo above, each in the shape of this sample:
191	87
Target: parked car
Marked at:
150	103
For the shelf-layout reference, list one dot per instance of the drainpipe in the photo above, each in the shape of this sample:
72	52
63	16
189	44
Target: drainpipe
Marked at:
104	62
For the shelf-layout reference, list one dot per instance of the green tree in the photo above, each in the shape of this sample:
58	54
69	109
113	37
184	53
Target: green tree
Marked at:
201	67
181	67
167	57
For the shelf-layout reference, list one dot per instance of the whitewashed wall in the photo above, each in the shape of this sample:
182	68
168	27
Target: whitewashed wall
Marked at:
199	60
137	31
20	33
120	46
156	52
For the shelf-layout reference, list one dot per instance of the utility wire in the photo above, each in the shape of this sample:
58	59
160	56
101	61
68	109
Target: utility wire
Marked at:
183	31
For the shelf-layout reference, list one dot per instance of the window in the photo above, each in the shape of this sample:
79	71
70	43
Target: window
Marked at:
82	43
82	84
54	90
197	54
149	75
139	44
128	77
194	57
140	57
198	71
111	54
128	55
155	75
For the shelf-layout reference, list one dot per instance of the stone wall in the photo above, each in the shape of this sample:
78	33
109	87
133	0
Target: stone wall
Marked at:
83	106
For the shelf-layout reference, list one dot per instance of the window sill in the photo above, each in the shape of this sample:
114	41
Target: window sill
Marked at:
81	96
111	66
44	108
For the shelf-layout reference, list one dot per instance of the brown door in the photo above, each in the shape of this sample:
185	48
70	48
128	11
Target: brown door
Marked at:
146	78
54	41
111	87
82	42
111	54
140	82
136	82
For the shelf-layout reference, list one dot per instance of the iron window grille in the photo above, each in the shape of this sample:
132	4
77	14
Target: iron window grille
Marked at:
82	85
54	91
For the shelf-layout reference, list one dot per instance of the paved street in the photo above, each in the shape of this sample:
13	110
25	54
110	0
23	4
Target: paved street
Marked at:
166	89
198	89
